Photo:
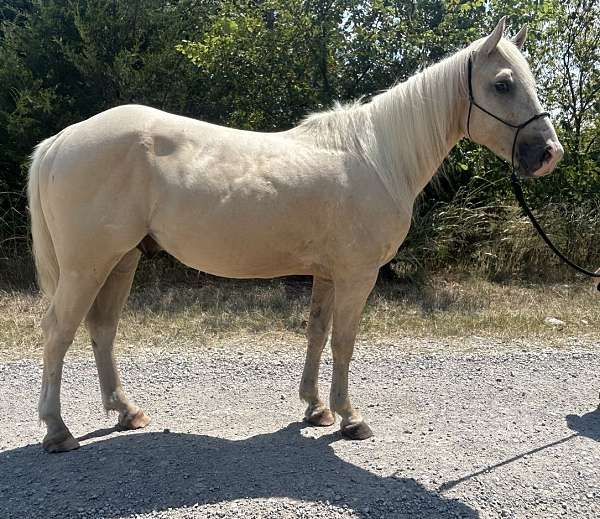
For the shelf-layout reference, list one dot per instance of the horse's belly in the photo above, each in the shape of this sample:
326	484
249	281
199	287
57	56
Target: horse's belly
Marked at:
245	259
248	215
242	245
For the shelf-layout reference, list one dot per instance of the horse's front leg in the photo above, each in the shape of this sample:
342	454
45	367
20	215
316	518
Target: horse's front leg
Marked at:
319	325
351	293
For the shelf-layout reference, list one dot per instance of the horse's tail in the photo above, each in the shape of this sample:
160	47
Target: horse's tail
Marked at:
44	253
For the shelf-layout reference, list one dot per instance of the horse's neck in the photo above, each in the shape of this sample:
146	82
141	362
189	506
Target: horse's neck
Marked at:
415	125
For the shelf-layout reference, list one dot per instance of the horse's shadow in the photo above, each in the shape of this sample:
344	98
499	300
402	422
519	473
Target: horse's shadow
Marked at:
587	425
138	473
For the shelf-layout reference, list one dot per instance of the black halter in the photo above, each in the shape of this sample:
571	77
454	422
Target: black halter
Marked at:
514	180
518	127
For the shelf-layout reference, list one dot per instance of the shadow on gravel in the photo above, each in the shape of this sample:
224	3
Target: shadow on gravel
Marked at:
139	473
587	425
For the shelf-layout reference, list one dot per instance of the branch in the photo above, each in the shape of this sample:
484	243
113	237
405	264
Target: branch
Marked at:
590	144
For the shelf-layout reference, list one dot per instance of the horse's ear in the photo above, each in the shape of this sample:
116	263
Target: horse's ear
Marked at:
520	37
492	40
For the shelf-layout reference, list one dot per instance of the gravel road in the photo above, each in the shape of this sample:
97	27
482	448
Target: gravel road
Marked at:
468	429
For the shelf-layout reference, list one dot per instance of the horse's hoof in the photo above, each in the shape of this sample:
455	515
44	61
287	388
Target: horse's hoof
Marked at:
133	421
322	417
61	442
357	431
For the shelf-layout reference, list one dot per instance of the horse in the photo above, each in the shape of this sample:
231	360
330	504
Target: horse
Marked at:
331	198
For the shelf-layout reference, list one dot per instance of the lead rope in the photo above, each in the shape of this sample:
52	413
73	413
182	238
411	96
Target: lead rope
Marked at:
516	186
514	180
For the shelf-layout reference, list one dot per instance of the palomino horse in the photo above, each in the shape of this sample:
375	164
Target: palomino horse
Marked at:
331	198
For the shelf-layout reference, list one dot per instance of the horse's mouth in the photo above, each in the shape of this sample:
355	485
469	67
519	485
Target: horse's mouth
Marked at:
544	163
546	168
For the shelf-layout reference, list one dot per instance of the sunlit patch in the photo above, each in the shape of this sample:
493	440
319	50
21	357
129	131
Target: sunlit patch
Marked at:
273	507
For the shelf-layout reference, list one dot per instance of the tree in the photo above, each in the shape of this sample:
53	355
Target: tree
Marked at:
63	61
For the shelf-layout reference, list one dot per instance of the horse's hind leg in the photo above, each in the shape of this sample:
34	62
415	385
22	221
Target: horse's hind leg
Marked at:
319	325
102	322
74	295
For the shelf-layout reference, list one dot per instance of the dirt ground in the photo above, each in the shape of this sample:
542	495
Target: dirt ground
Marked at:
463	428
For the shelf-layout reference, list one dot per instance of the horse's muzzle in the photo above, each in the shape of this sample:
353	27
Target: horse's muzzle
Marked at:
537	160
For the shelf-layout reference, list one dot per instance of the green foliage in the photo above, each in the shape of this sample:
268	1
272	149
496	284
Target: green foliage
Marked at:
64	61
264	64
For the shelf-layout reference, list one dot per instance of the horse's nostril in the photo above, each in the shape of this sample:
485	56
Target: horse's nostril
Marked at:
547	155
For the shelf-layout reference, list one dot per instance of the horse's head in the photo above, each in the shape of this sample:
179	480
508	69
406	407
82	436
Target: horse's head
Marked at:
505	113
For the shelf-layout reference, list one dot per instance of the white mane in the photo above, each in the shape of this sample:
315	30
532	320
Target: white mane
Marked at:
406	132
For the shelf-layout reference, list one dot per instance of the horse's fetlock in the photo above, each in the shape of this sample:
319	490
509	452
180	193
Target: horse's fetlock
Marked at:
111	402
306	395
115	401
42	415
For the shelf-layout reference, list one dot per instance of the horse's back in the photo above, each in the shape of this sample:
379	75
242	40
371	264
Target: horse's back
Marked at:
178	148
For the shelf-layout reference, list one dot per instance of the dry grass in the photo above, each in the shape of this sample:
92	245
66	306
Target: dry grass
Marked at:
468	307
209	309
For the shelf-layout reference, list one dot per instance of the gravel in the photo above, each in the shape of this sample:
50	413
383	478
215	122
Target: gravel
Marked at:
462	431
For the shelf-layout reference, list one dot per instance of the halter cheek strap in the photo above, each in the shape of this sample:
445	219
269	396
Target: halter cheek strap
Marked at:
515	180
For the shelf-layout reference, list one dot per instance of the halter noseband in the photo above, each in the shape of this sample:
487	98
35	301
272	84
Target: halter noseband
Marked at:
518	127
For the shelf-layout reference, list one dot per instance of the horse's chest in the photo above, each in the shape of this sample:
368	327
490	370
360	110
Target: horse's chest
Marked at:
377	240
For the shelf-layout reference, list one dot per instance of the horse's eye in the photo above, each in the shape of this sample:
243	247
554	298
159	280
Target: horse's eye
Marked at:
502	87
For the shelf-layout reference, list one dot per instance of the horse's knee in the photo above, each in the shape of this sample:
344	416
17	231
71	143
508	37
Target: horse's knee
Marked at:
319	321
102	330
316	332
